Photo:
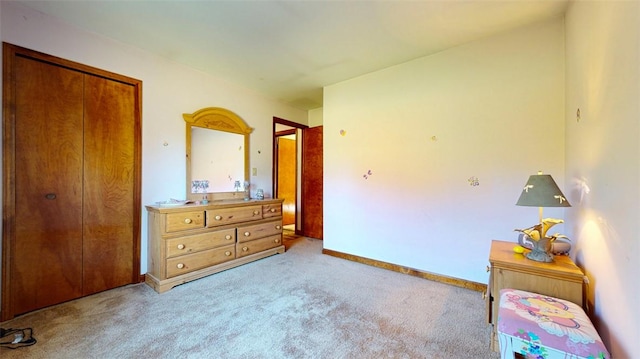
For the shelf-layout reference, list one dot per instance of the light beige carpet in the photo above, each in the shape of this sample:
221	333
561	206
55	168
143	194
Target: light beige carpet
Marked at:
300	304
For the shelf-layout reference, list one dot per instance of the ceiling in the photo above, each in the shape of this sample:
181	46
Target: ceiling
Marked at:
290	50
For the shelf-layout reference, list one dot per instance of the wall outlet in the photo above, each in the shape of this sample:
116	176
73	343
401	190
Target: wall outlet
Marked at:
254	171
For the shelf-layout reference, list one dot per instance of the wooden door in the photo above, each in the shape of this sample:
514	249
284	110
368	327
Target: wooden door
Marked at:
71	181
46	263
108	190
287	178
312	182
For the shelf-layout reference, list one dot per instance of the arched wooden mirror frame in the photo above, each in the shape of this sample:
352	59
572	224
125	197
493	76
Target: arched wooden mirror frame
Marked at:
219	119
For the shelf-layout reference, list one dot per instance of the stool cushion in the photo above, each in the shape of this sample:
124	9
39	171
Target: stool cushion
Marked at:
547	322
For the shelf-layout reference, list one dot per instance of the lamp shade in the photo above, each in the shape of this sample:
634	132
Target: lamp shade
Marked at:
542	191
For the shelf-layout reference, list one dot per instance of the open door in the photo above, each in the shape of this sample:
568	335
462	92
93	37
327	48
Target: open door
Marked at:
312	183
308	168
287	171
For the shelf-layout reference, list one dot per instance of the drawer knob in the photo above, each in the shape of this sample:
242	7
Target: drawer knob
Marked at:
247	234
180	265
488	269
244	249
277	240
278	227
187	220
180	246
228	236
218	217
272	210
227	253
256	212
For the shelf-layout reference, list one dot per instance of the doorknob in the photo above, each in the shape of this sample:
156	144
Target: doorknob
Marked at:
50	196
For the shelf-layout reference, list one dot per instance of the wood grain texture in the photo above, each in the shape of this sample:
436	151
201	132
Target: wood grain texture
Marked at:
223	216
71	180
250	232
242	233
185	220
503	256
108	187
199	242
47	258
312	183
206	258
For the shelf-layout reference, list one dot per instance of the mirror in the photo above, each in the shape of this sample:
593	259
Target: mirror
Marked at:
217	152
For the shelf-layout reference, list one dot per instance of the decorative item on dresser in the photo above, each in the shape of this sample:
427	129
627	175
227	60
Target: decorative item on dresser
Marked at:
188	242
560	279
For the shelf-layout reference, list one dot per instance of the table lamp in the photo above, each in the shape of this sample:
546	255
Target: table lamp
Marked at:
542	191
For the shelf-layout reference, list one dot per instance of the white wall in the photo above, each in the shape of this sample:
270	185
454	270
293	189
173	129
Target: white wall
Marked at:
315	117
603	154
490	110
168	91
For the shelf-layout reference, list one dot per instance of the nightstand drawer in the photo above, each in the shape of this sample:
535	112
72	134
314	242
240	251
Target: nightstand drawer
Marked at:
531	282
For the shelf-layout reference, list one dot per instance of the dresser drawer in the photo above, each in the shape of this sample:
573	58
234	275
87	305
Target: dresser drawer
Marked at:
222	216
200	242
190	262
271	210
184	221
258	245
255	231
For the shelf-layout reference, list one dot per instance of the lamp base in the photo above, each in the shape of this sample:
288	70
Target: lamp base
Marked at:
541	250
539	256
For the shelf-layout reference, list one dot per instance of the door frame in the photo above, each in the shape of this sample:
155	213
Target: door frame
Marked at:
294	129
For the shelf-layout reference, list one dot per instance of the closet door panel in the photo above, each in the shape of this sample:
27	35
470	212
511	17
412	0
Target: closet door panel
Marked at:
109	178
47	252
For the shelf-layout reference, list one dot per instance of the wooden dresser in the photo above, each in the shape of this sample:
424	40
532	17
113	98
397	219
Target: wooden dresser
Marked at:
561	279
193	241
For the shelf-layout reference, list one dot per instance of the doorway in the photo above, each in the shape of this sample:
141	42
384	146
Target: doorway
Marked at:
298	177
287	172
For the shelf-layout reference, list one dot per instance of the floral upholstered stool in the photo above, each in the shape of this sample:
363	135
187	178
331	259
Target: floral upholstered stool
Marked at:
538	326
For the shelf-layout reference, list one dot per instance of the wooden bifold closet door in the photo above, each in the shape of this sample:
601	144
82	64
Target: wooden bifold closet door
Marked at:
71	185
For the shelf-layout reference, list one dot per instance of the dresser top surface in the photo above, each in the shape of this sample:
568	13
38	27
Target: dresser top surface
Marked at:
214	204
503	256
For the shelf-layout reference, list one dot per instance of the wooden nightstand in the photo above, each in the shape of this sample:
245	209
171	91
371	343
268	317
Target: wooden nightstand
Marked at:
561	279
